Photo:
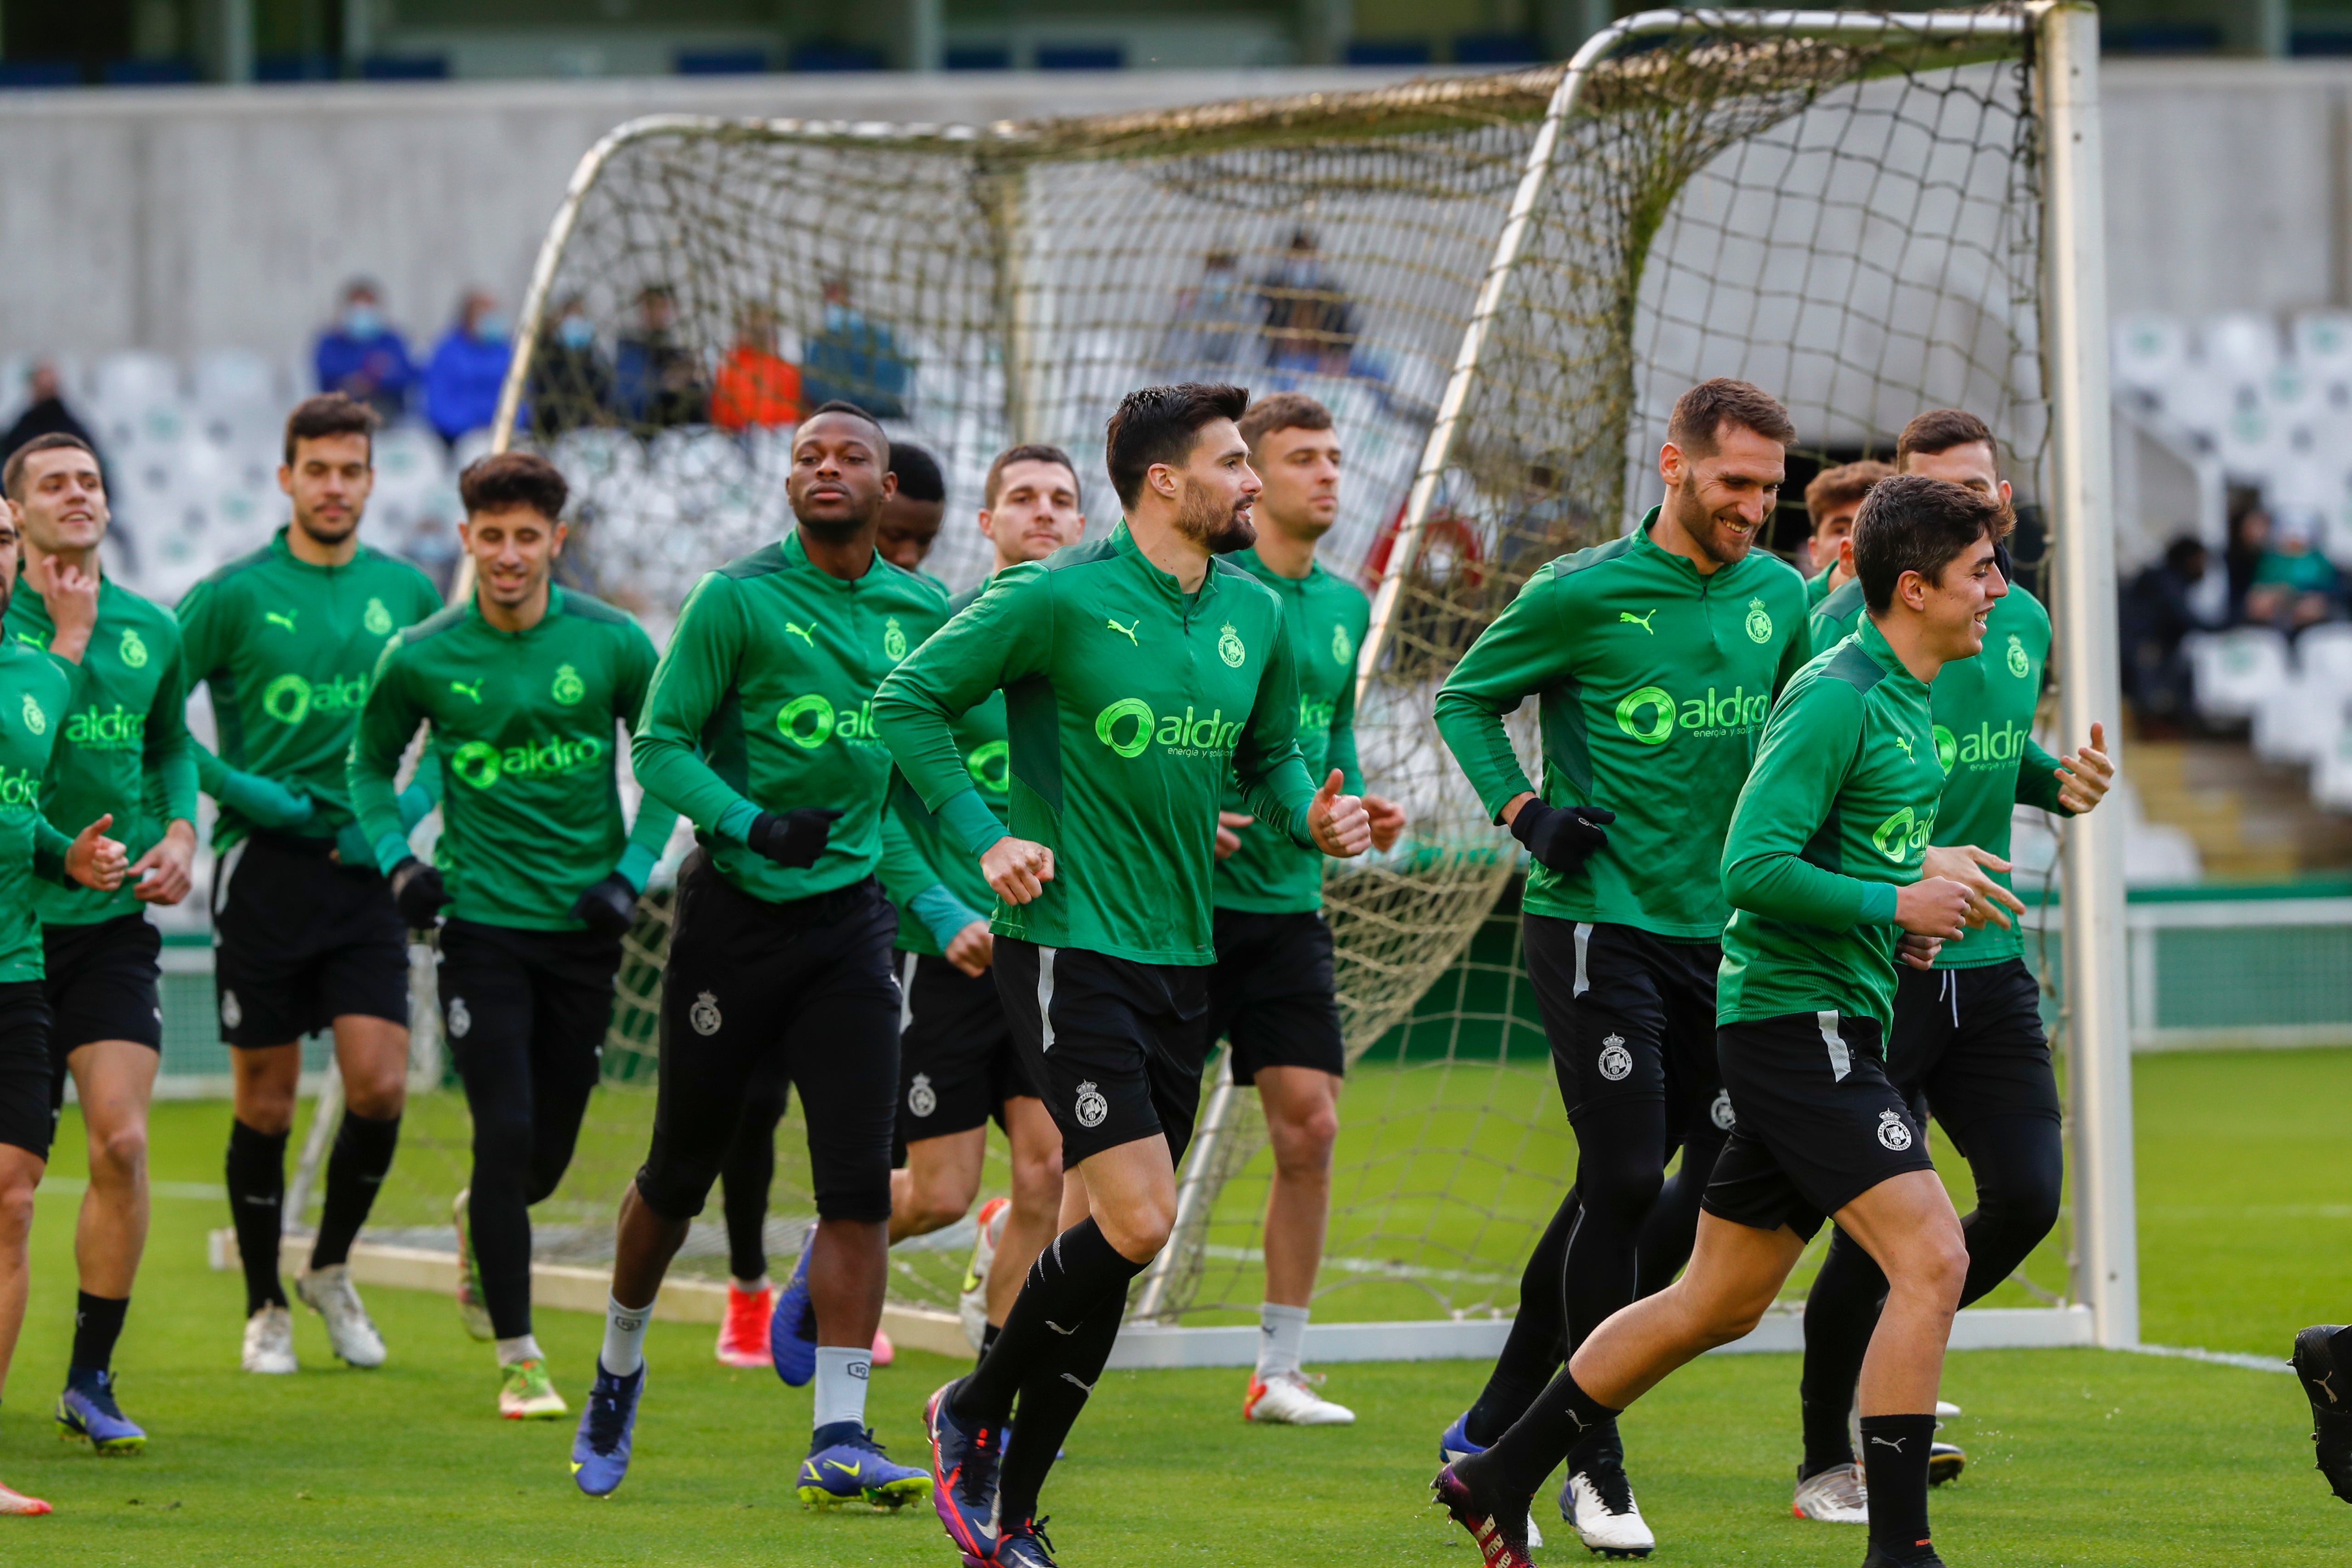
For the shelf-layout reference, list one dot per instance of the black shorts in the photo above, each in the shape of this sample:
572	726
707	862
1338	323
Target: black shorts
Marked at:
1969	1043
1270	993
957	1064
27	1118
102	985
756	991
301	941
546	994
1630	1014
1819	1123
1115	1046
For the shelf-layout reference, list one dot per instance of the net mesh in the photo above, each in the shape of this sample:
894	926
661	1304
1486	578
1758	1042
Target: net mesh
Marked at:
1849	222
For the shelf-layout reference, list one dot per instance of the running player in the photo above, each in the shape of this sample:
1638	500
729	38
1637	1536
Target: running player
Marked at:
1830	501
2323	1360
122	750
1967	1036
36	692
1821	868
306	934
758	728
1271	990
523	685
1654	658
1138	673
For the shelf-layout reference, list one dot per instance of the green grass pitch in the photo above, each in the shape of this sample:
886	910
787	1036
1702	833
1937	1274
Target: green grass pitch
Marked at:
2078	1458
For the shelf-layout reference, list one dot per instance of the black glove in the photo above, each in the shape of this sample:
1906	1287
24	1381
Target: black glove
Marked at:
794	839
608	906
1563	836
416	889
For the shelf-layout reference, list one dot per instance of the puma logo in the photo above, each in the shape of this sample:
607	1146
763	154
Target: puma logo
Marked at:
1894	1443
800	632
1126	631
1905	742
1641	620
474	691
1081	1387
2327	1383
1058	1329
280	618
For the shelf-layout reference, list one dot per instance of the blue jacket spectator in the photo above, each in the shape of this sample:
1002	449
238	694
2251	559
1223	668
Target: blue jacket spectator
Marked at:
363	355
657	379
855	360
469	365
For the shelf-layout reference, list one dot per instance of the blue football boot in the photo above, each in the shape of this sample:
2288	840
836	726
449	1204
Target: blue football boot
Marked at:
86	1411
846	1465
792	1331
600	1450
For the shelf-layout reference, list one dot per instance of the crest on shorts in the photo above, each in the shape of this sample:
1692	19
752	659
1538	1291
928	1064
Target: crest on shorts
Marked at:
2019	665
921	1099
1616	1062
1229	647
704	1014
232	1013
894	639
35	720
460	1020
1092	1106
378	620
568	687
134	652
1760	622
1720	1112
1894	1131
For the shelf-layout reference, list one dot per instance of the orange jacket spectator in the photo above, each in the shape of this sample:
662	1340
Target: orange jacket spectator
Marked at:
755	386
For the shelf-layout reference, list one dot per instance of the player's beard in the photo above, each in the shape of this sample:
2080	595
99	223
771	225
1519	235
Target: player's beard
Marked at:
310	529
1217	526
1699	524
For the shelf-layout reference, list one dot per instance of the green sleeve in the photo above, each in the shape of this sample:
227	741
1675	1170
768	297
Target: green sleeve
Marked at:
199	627
1342	754
49	847
1794	657
170	751
263	802
1273	776
1522	652
910	880
1003	636
387	725
686	688
649	834
2037	780
1809	745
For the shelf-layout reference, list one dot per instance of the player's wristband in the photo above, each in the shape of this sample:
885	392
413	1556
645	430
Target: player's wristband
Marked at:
970	820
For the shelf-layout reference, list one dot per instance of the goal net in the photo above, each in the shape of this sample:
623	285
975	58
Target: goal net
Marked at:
1498	284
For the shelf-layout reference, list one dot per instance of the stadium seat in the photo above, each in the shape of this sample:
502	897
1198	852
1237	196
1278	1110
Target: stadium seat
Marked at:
2151	352
2235	669
2323	342
2243	346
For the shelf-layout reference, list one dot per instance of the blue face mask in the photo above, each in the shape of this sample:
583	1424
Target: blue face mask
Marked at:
363	322
576	331
492	326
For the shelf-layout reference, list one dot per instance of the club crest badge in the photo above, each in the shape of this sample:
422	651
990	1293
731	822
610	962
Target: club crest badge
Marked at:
568	687
894	639
460	1020
1720	1112
1229	647
35	720
232	1011
134	652
1342	647
704	1014
921	1099
1894	1131
378	620
1760	622
1092	1106
1616	1062
2019	665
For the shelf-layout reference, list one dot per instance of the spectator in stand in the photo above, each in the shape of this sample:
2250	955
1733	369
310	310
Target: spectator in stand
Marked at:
2158	611
2250	536
910	515
468	366
853	360
363	355
2294	585
657	379
46	414
1310	323
570	382
755	385
1213	319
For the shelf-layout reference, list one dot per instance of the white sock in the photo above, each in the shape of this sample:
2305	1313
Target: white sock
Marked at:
1281	1337
522	1347
841	1374
624	1337
749	1287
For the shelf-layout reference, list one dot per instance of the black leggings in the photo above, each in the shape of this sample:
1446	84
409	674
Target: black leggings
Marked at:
745	1178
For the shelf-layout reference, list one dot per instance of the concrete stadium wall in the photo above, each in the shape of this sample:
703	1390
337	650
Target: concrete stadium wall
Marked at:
185	219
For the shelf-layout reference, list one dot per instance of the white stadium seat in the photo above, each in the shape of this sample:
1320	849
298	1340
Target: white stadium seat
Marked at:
2235	669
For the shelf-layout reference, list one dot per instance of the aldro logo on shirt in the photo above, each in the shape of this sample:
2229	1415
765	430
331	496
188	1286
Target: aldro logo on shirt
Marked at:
990	763
481	764
1129	728
20	786
290	699
810	722
1903	834
115	729
1983	747
1652	714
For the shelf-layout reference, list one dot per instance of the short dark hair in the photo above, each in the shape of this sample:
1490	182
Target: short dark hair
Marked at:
330	413
1159	425
1282	411
507	479
1026	452
1940	430
12	476
1842	486
918	473
1909	522
1701	413
843	406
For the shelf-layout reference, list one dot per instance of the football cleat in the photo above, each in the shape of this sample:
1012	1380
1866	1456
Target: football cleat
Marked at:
1288	1399
1023	1545
351	1333
14	1501
1502	1541
1878	1559
884	1352
846	1465
972	1297
1946	1410
792	1327
1599	1503
527	1394
1455	1446
269	1341
87	1413
2329	1386
964	1459
600	1448
1835	1496
743	1332
1945	1463
473	1307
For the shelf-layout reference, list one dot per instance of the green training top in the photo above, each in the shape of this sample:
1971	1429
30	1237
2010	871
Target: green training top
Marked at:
764	702
1817	586
942	859
1984	737
1653	683
37	692
524	734
289	649
1832	820
1324	618
1127	704
124	748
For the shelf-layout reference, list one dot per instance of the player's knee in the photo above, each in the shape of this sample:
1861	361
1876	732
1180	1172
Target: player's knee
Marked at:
1303	1142
380	1095
118	1152
1138	1234
17	1201
1936	1266
1622	1191
1037	1183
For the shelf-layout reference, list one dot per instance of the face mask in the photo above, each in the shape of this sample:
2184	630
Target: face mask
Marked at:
491	327
576	331
363	322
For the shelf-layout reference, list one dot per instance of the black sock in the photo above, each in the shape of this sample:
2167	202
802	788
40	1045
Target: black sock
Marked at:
1894	1467
1537	1441
1536	1344
987	1343
1601	1447
98	1323
1070	1277
1840	1313
1051	1397
355	1172
257	1207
